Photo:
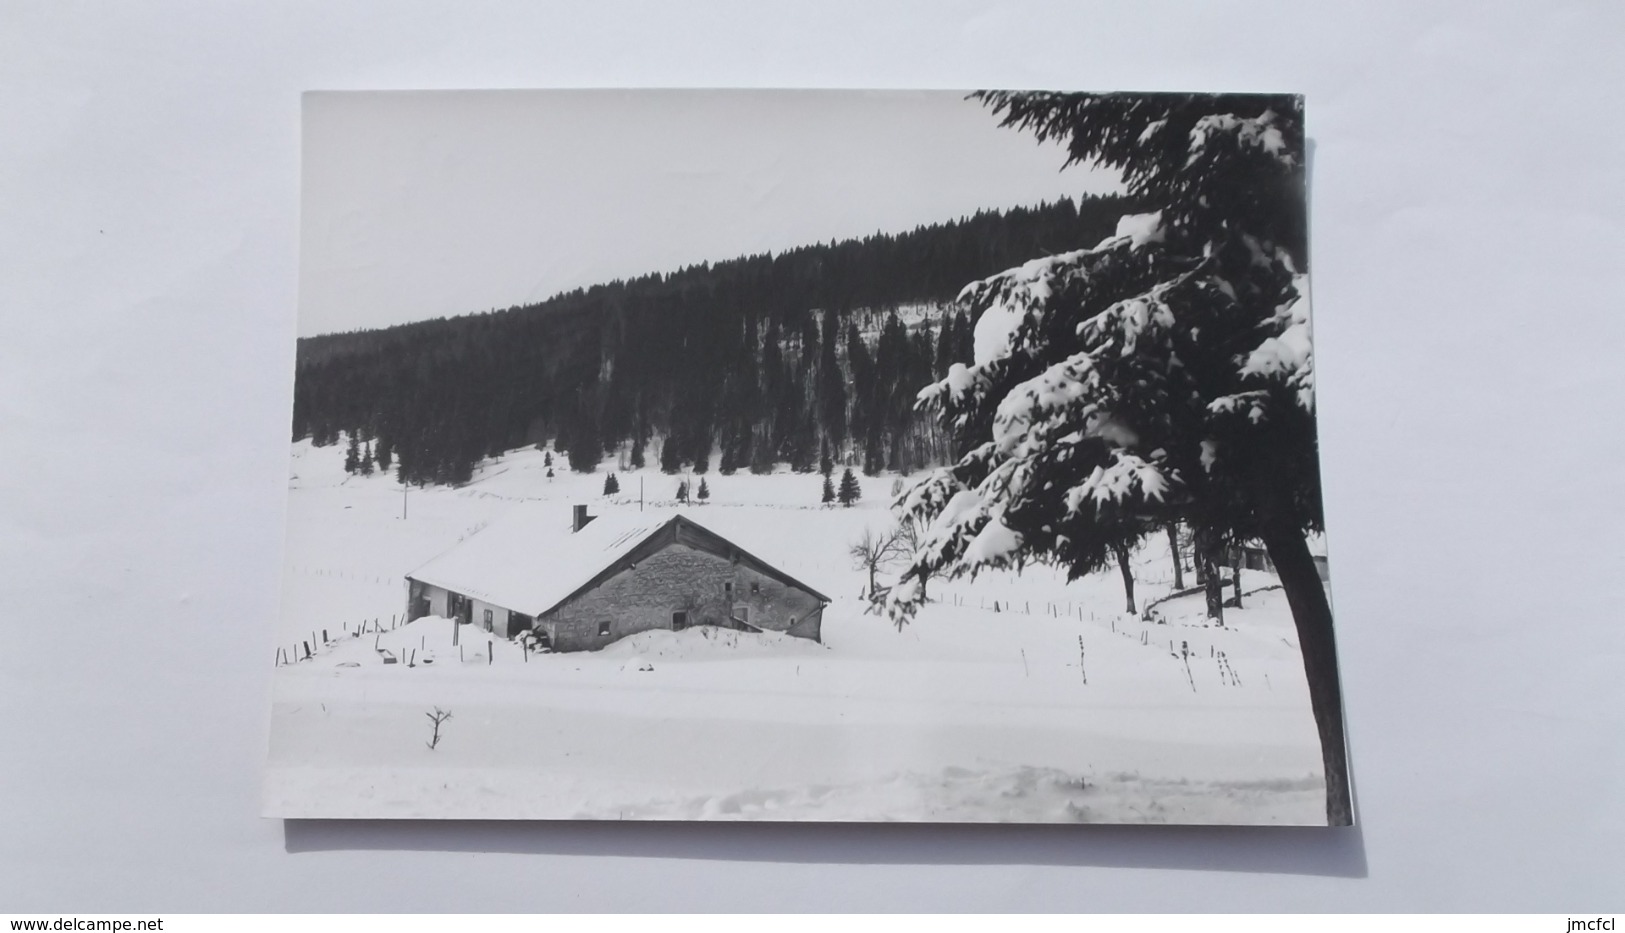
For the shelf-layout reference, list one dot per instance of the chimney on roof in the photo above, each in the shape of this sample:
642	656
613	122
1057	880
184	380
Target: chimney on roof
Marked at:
580	518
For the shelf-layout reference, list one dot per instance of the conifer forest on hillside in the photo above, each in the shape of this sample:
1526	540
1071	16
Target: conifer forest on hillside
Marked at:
735	365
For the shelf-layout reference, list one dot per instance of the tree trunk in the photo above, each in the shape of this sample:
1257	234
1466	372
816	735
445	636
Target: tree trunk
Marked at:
1128	576
1208	572
1214	587
1173	546
1235	572
1312	614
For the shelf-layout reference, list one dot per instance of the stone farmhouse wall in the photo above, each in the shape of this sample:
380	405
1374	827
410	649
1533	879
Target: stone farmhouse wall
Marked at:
708	588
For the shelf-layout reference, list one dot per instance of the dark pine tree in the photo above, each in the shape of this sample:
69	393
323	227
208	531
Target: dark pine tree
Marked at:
670	460
611	485
831	382
944	356
365	466
1209	386
704	492
964	338
850	491
863	381
872	456
352	456
637	454
829	490
585	448
682	490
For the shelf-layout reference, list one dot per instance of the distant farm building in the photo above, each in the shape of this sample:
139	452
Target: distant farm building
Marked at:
581	584
1252	556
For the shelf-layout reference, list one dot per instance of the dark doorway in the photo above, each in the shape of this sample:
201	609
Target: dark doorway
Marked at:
679	621
460	608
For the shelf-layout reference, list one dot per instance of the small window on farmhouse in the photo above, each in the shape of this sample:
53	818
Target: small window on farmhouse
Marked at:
679	621
603	627
755	587
728	588
487	620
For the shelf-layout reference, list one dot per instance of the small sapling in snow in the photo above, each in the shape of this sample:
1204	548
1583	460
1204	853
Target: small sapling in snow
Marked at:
437	717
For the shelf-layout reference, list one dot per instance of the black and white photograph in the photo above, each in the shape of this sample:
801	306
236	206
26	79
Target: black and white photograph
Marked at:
806	456
956	459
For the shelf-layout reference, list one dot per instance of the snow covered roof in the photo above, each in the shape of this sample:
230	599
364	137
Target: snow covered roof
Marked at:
529	561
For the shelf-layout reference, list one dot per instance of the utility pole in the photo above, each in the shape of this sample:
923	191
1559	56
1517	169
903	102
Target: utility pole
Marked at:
640	492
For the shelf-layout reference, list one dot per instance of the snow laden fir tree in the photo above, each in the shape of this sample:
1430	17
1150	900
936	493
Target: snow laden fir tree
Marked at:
1162	376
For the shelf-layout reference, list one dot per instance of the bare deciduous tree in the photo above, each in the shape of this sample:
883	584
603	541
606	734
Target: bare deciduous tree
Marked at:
437	717
910	533
874	549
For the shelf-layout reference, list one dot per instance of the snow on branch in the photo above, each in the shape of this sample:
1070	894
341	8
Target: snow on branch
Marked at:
1013	303
1011	308
1141	229
1128	477
957	513
995	544
959	385
964	531
1261	133
1038	411
1254	404
1013	298
1287	356
1130	319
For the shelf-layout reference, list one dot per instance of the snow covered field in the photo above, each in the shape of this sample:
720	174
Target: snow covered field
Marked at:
1011	697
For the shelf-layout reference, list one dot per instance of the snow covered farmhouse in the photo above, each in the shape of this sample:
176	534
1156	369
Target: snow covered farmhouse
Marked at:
582	584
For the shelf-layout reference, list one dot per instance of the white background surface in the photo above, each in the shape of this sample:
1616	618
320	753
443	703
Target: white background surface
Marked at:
1467	210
